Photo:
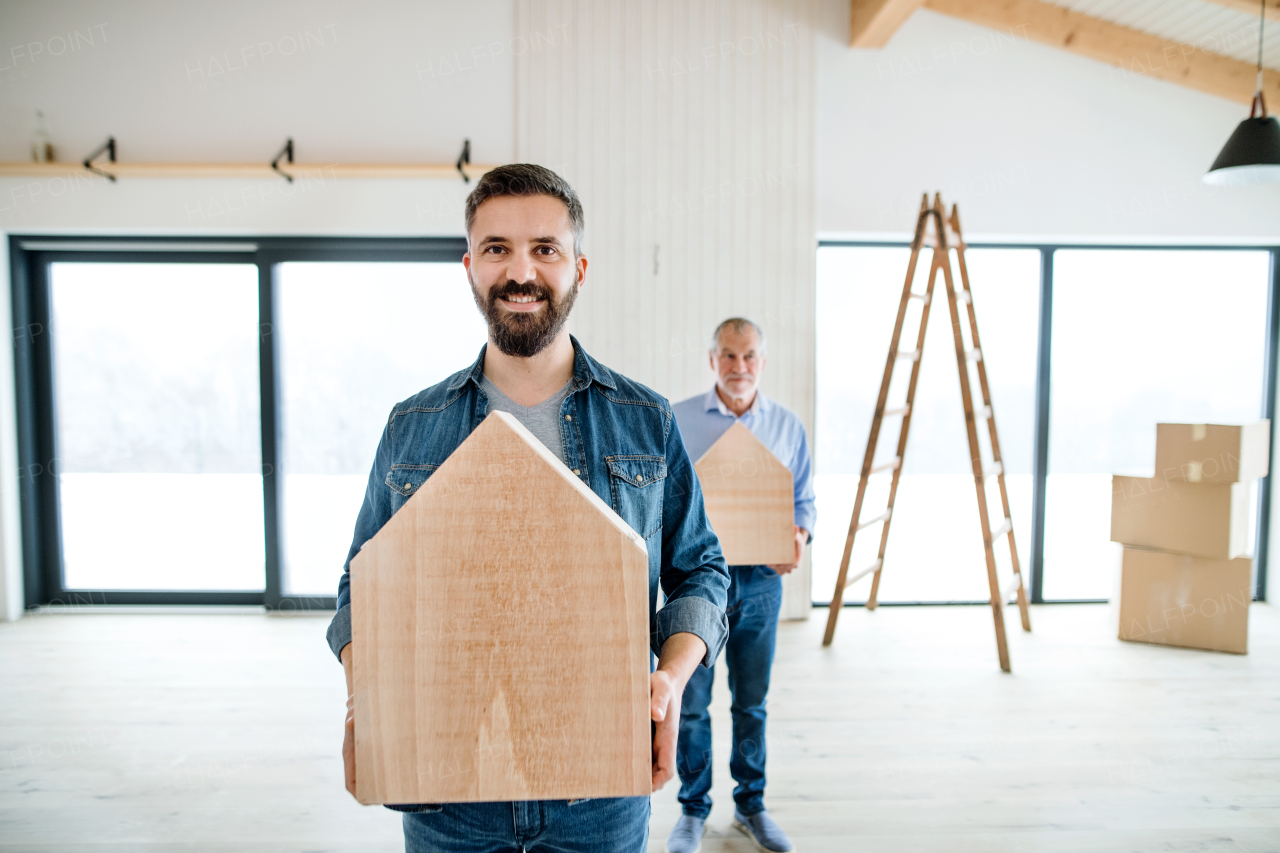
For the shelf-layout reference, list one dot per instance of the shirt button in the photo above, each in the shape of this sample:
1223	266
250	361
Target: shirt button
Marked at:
408	486
639	478
568	417
576	472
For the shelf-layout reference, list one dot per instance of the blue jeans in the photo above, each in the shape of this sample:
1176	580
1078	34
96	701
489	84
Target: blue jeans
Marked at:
755	597
539	826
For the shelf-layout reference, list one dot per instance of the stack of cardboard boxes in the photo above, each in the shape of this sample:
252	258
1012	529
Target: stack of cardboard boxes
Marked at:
1186	576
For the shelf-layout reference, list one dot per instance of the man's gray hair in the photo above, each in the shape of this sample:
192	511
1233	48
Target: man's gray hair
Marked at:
739	325
527	179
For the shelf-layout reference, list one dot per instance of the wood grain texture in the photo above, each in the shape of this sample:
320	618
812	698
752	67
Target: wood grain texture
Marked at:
873	22
750	498
1124	48
500	636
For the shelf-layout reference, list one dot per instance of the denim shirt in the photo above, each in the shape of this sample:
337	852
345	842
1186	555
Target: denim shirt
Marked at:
620	438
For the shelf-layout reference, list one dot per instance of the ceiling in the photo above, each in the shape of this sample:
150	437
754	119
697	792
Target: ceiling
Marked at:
1209	26
1207	45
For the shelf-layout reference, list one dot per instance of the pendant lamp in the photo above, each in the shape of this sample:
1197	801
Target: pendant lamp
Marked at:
1252	154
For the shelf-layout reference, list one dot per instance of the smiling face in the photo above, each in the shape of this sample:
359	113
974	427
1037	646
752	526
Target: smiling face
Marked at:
522	270
738	361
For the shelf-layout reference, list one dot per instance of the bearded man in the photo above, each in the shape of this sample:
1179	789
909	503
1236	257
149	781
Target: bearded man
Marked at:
525	264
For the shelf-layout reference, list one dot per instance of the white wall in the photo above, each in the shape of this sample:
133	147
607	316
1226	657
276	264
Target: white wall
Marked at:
1030	140
707	155
393	82
663	138
687	127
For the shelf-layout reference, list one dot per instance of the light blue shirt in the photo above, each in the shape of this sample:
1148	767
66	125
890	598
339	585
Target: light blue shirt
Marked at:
704	418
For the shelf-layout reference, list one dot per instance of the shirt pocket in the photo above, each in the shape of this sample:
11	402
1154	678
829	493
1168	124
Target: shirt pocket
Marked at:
405	480
635	484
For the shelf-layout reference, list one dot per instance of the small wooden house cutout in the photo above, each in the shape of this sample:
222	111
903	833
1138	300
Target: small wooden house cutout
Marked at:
750	499
500	630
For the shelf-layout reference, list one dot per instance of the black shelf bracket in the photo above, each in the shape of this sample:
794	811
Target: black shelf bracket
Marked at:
464	159
109	147
287	153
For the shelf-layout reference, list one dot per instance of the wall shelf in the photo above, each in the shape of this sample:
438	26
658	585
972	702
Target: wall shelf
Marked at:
299	171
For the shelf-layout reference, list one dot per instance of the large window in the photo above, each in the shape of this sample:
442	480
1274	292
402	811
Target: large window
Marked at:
159	471
197	420
1139	337
935	548
1135	337
355	339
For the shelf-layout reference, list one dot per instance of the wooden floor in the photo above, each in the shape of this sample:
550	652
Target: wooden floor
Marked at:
220	732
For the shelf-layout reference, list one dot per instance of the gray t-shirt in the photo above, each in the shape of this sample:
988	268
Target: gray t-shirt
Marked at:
543	420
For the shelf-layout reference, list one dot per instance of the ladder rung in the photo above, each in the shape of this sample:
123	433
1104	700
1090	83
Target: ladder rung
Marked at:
992	470
884	516
909	355
1008	591
984	413
1007	527
963	296
901	410
923	297
973	354
887	466
862	574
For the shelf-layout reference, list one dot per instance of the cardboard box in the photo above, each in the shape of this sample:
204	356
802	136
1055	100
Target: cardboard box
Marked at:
1174	515
1213	453
1180	600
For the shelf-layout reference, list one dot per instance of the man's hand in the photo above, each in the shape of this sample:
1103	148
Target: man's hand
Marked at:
349	730
681	654
802	537
664	708
349	747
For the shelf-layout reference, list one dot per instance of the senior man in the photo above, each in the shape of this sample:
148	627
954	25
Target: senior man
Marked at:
755	596
525	265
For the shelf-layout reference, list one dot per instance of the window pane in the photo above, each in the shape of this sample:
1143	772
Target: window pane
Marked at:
355	339
935	550
159	443
1139	337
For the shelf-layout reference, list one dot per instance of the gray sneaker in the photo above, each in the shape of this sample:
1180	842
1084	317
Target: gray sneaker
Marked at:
762	830
687	835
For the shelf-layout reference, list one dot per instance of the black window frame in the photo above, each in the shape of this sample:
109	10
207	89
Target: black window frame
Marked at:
30	256
1044	377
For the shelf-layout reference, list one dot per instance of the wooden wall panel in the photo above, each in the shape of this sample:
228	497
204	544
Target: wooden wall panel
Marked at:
688	129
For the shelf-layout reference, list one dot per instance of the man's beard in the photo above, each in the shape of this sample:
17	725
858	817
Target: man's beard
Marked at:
519	333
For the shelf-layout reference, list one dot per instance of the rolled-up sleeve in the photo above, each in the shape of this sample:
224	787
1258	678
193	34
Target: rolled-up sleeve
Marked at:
694	577
339	633
374	512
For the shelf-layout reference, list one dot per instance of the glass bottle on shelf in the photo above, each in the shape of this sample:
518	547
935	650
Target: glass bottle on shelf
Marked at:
41	144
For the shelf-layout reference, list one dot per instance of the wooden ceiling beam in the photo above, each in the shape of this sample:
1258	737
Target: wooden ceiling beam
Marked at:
1124	49
874	21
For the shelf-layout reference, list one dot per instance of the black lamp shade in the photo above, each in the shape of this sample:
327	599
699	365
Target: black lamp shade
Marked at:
1251	155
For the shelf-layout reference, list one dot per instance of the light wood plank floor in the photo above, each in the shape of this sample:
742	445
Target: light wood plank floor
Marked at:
220	732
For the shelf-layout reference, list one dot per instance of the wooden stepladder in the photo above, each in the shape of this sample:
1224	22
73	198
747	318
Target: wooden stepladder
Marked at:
942	242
